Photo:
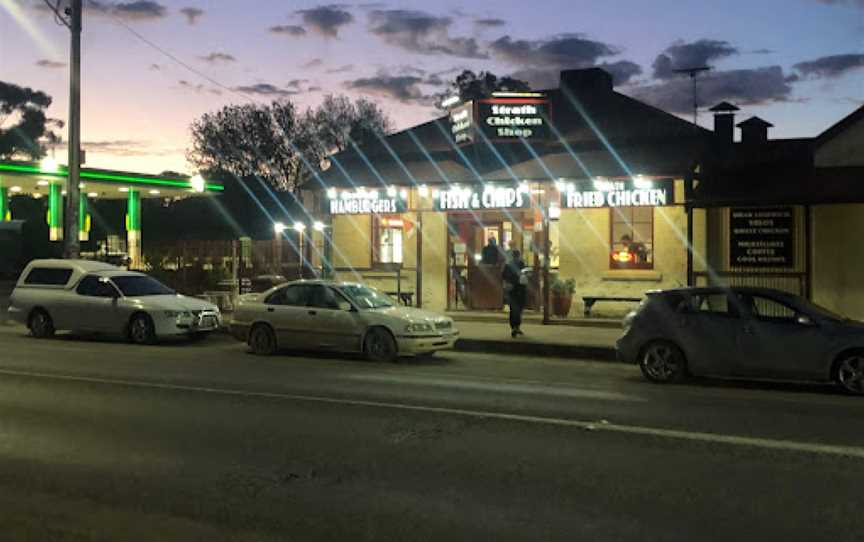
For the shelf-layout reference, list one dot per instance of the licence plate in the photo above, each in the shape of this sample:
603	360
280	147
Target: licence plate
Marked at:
208	321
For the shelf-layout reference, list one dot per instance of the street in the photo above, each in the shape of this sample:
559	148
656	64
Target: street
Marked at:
101	440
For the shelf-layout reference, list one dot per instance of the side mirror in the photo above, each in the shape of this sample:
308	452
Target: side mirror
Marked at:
344	306
805	320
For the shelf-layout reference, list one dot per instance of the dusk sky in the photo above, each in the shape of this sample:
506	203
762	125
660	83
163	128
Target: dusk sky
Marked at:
796	63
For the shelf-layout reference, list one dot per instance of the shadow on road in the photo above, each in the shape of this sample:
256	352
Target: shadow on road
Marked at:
438	360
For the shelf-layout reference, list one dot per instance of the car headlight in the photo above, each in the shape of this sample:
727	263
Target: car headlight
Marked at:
418	327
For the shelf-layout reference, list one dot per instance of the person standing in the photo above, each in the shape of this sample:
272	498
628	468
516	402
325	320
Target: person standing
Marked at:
516	291
490	253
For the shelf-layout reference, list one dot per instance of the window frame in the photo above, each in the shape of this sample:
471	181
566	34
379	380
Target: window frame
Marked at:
376	239
107	285
617	266
30	280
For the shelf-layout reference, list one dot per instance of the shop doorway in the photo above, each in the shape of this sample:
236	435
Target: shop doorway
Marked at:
480	245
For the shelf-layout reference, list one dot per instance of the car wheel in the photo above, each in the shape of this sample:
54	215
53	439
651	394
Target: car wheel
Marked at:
380	345
41	325
662	362
141	330
850	372
262	340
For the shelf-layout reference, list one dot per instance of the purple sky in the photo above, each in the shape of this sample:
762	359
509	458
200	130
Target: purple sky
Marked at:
797	63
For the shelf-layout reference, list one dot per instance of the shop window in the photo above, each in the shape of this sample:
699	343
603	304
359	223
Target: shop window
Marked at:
389	234
632	238
554	244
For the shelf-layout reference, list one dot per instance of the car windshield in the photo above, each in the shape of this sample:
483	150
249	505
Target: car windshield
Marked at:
365	297
140	285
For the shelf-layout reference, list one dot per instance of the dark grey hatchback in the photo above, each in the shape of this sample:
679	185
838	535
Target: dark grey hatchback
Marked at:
755	333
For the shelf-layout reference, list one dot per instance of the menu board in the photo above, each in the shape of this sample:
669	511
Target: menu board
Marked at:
762	237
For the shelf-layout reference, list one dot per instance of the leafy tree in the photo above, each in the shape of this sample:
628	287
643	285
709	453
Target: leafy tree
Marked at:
276	143
474	86
25	109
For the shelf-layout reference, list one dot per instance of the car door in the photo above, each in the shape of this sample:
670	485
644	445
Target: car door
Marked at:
95	305
706	325
285	310
776	340
332	322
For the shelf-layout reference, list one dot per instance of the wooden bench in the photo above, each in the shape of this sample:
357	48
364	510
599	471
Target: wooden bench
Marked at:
590	300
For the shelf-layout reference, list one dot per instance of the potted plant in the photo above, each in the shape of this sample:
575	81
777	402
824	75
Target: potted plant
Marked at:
562	296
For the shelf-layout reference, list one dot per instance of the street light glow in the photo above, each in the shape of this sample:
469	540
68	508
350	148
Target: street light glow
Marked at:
299	227
197	182
318	225
279	227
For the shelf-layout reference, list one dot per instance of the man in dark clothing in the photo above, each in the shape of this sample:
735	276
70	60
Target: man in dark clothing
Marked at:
489	254
516	291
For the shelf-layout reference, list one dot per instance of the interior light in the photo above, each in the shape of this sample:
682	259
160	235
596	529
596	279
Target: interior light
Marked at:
554	212
331	193
560	186
391	191
37	195
81	185
154	192
318	225
423	190
123	189
92	194
198	183
15	189
404	194
42	182
451	101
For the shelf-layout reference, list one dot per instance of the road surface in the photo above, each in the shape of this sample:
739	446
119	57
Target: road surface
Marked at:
101	440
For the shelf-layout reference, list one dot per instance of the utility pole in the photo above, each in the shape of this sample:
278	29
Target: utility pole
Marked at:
73	245
693	72
71	19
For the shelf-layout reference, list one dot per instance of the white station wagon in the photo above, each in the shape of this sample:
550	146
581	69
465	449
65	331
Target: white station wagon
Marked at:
339	316
95	297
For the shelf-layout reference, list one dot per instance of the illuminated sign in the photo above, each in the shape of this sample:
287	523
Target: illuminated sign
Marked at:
763	237
462	123
487	197
514	118
601	193
363	202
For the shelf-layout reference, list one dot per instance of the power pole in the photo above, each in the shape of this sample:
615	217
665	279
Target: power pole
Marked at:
693	72
71	19
73	245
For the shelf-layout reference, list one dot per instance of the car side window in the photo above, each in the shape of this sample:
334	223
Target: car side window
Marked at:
323	297
91	286
297	296
771	310
710	303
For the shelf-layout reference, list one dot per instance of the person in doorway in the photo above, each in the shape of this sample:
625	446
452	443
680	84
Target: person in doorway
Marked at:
637	250
489	254
516	291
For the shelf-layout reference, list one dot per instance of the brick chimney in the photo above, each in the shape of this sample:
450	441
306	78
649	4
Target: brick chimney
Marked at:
724	122
754	131
587	81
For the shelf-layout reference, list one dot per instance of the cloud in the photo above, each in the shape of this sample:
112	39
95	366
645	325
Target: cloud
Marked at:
127	147
199	88
742	87
192	14
326	20
265	89
51	64
490	23
622	71
296	83
830	67
138	10
422	33
216	58
291	30
404	88
314	63
342	69
566	51
314	89
859	3
681	55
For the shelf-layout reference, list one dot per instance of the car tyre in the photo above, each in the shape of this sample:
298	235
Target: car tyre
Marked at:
141	329
41	325
380	346
262	340
662	362
849	372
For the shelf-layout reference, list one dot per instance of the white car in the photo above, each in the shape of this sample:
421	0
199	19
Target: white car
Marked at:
339	316
95	297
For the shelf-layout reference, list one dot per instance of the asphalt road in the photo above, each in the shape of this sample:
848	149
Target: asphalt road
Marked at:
100	440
